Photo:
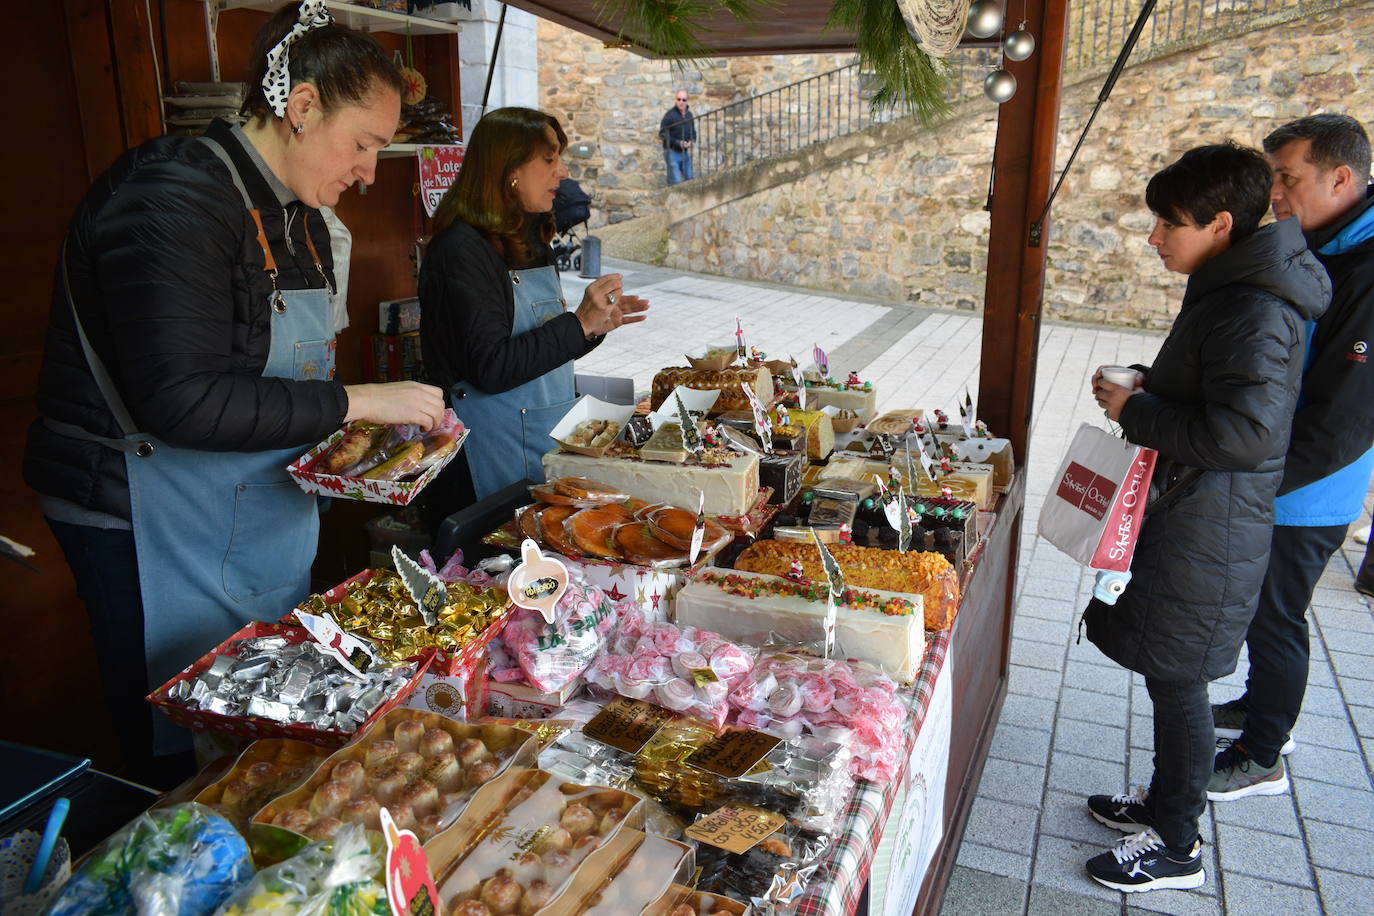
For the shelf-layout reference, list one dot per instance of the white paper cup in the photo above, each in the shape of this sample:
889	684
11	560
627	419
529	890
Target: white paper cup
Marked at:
1120	375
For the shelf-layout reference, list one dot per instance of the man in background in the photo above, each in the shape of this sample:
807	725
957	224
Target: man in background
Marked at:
678	133
1321	177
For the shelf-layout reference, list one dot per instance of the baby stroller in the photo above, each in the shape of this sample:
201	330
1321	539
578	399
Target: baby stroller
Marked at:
572	207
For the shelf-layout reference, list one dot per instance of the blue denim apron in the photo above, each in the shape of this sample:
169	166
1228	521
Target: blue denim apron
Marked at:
510	430
222	538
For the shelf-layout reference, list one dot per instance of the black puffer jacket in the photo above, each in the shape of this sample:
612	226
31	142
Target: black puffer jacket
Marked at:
170	283
1219	397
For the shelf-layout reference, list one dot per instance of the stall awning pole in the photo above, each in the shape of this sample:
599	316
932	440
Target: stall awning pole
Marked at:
1023	160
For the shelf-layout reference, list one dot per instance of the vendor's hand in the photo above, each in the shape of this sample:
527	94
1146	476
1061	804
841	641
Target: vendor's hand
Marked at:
605	306
396	402
1112	398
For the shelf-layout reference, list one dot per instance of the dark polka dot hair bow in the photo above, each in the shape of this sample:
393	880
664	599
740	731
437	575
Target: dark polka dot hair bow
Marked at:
276	84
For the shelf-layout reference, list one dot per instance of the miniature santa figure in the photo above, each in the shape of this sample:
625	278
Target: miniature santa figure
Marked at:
980	429
946	492
794	571
853	381
846	534
755	354
945	467
783	416
894	478
917	427
710	437
942	419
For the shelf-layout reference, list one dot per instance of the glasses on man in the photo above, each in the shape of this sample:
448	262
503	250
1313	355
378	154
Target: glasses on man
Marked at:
682	98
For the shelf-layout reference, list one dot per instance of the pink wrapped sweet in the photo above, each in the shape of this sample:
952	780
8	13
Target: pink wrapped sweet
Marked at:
686	662
652	668
676	694
507	675
786	701
730	661
817	693
634	689
713	693
752	693
669	639
553	655
634	624
758	721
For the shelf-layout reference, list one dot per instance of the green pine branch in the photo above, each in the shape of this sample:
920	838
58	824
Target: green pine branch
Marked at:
906	75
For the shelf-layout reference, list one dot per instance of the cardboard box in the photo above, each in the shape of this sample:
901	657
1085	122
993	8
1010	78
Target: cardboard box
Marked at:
398	316
521	701
589	408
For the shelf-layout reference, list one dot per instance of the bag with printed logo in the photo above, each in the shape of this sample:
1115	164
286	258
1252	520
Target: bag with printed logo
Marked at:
1097	501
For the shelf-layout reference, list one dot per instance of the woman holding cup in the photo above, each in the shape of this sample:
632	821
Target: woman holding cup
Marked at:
1216	405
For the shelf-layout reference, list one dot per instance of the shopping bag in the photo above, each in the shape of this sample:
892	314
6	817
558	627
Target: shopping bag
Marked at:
1094	509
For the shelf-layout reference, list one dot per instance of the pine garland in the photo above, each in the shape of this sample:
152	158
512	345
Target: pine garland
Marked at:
904	73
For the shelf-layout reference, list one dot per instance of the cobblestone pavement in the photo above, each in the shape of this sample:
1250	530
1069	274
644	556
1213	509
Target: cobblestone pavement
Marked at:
1074	723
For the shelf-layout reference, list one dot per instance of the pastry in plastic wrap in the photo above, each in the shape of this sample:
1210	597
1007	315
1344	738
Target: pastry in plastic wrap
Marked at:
553	655
265	769
927	574
631	880
183	860
518	844
772	876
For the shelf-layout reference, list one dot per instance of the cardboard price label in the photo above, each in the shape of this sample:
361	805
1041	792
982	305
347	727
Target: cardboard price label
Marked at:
736	828
703	676
626	724
733	752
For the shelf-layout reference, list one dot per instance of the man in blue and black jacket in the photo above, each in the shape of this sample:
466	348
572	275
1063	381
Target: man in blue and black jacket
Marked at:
1321	177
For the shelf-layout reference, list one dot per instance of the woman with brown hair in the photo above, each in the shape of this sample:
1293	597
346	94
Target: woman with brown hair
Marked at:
495	330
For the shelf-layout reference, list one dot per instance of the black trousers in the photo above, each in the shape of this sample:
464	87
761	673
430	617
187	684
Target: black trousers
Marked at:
1185	745
105	567
1277	639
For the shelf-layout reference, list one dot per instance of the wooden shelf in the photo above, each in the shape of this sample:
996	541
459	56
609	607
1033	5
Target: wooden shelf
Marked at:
364	18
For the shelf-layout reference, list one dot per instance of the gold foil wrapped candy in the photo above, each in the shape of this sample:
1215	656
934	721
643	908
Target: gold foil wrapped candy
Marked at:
382	610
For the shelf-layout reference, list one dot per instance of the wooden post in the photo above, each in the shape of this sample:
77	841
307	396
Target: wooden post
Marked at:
1023	164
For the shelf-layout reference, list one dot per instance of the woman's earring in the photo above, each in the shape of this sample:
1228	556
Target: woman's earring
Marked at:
298	129
513	182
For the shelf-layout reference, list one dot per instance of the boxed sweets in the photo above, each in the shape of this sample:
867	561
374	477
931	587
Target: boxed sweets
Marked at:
515	847
615	882
882	627
265	769
996	453
928	575
729	480
420	765
379	463
270	680
682	900
726	381
804	778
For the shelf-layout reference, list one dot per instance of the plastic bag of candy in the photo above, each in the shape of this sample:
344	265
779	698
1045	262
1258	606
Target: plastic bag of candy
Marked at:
789	693
772	875
182	860
338	877
687	670
553	655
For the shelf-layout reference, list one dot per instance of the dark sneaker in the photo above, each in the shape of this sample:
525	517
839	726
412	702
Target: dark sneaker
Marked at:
1141	862
1228	719
1238	775
1122	812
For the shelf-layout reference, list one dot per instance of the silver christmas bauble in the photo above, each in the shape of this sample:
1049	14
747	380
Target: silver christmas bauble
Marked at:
999	86
1019	45
984	18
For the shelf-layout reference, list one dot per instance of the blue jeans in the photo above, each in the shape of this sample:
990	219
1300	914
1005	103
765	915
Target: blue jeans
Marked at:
679	164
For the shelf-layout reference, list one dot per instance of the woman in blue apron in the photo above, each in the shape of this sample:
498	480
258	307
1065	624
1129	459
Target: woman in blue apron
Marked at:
190	358
495	330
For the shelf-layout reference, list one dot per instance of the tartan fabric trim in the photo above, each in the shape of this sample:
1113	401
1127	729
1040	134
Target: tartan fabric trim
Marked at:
839	883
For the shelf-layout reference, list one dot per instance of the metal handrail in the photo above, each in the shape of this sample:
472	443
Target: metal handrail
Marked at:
837	102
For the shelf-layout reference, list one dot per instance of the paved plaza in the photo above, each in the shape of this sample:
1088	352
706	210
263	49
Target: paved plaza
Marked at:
1074	723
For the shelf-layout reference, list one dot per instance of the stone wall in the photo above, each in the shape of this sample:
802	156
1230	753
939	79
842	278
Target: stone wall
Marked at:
897	212
613	99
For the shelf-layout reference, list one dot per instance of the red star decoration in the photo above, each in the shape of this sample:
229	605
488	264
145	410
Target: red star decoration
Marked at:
656	596
615	594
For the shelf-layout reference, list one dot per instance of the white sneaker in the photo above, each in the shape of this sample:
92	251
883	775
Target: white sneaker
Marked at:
1361	535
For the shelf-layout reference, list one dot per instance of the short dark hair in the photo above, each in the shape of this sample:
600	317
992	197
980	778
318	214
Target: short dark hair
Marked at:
1337	139
482	195
345	65
1208	179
